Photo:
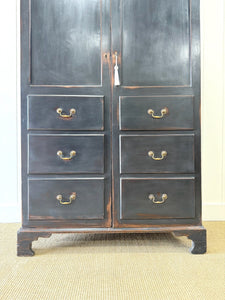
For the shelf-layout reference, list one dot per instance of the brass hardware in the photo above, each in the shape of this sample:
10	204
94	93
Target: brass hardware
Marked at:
60	110
152	155
60	198
72	154
164	112
152	198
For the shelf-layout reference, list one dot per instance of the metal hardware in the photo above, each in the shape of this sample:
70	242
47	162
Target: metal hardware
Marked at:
152	198
60	110
152	155
72	154
116	72
72	197
164	112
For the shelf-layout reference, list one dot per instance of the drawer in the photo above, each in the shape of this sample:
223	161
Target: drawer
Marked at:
66	199
157	198
66	112
157	153
156	113
66	153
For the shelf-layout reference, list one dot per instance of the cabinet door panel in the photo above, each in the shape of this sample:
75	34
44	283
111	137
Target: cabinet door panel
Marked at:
157	46
155	43
66	42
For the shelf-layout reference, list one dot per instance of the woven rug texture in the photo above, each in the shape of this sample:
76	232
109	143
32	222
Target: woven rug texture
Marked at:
113	266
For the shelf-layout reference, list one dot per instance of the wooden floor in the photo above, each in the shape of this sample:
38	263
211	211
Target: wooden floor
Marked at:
108	266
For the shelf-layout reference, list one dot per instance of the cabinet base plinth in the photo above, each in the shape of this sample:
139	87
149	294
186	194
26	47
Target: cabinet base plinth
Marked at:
198	238
25	239
195	233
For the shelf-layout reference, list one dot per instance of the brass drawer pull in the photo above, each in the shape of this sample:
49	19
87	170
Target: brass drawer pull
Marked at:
72	197
152	198
72	154
60	110
152	155
164	112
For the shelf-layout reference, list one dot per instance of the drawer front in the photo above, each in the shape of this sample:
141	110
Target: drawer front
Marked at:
65	113
156	113
157	154
79	154
157	198
66	199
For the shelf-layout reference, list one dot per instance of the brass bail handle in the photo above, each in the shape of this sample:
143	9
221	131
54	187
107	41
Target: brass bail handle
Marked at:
64	116
153	199
164	112
71	198
152	155
72	154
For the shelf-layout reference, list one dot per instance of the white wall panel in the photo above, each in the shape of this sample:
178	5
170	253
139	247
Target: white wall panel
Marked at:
213	108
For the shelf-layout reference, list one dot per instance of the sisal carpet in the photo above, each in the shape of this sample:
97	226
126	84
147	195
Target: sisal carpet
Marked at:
120	266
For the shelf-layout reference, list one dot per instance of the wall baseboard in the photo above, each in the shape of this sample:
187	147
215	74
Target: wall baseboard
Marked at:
213	212
10	214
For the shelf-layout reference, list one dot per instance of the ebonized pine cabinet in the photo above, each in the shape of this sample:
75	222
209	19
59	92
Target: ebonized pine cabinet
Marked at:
110	118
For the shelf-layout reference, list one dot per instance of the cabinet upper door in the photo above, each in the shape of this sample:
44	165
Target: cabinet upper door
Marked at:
66	40
154	43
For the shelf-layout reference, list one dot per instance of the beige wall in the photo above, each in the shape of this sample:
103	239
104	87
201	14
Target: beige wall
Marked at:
213	109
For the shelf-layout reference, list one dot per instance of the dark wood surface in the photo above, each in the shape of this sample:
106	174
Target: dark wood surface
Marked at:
150	82
43	156
134	151
198	237
134	113
88	203
52	72
155	42
195	233
25	239
136	205
66	42
42	112
68	56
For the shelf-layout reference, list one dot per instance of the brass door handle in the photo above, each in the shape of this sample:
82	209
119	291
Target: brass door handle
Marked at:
72	154
152	155
152	198
71	198
60	110
164	112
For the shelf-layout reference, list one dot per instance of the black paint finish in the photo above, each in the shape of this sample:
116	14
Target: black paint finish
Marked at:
136	205
88	204
67	60
66	42
155	42
134	113
42	114
198	237
43	156
135	159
